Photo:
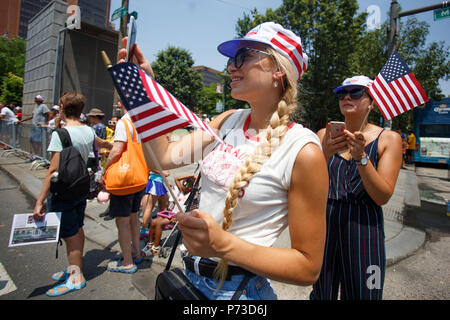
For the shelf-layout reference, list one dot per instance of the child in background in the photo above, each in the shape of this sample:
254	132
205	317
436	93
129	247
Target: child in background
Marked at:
185	185
155	191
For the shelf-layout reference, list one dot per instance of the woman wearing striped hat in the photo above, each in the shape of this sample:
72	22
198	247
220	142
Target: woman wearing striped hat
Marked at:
271	173
363	164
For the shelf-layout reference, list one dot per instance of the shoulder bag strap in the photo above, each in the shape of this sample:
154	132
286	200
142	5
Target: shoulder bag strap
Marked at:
189	202
64	136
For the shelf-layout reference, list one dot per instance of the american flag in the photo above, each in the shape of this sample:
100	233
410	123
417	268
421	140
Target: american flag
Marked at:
396	89
153	110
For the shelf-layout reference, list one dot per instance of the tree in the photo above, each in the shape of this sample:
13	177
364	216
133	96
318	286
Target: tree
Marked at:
208	99
12	56
330	31
173	70
429	64
334	37
12	60
12	88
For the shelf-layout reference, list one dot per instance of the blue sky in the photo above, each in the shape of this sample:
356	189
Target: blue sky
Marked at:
200	25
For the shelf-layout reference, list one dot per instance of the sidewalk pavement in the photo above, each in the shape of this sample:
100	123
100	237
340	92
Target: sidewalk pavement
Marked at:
401	241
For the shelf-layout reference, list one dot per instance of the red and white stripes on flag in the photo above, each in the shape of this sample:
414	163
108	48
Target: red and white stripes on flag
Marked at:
153	110
293	50
396	89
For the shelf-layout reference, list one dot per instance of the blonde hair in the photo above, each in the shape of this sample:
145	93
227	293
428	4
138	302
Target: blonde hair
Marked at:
269	140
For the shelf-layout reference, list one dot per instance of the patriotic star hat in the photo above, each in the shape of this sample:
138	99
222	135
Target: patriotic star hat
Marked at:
355	81
276	36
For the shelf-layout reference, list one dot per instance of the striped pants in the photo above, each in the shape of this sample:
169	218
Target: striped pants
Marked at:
354	257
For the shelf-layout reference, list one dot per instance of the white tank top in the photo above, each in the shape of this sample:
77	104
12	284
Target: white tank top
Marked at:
261	213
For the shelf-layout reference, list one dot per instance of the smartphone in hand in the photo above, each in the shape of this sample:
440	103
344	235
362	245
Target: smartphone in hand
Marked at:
131	34
336	128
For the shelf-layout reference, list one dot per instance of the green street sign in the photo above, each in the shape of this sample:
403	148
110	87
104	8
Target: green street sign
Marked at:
441	13
118	13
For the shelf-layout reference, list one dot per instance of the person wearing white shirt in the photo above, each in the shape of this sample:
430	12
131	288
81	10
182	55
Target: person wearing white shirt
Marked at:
8	119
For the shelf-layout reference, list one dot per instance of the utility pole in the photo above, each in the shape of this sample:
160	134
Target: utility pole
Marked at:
122	33
394	15
123	22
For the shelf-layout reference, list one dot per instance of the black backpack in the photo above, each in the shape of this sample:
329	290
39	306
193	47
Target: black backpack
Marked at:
72	181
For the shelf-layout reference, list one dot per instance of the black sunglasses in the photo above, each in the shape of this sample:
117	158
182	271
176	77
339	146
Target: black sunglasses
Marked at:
355	94
240	56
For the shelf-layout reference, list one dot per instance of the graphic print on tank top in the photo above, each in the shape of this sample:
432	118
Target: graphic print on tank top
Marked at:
221	165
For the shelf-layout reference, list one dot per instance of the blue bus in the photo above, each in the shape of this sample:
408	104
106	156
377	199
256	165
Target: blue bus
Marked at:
432	131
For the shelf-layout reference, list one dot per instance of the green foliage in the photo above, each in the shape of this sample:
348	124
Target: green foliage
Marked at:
173	70
339	46
12	65
12	88
208	99
330	32
12	56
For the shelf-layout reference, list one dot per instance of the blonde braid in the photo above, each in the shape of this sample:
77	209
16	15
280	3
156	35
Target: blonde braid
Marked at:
277	128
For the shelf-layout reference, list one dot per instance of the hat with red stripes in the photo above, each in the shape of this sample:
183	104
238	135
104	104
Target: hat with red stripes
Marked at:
362	81
275	35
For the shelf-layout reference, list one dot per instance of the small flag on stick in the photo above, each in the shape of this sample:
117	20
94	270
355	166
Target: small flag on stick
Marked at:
396	90
153	110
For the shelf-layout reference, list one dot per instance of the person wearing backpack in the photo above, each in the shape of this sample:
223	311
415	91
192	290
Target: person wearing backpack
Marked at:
66	186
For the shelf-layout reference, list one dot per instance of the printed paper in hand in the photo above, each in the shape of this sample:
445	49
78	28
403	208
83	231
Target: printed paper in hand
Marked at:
25	230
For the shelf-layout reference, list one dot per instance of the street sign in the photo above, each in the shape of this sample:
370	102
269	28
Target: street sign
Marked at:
118	13
441	13
219	106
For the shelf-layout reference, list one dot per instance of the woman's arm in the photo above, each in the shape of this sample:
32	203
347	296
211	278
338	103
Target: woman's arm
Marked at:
379	183
101	143
300	264
45	190
186	150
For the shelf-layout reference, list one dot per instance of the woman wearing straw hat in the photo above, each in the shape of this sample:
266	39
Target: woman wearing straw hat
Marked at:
271	174
363	165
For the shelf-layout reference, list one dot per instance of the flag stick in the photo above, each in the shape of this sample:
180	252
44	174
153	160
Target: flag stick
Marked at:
154	160
365	118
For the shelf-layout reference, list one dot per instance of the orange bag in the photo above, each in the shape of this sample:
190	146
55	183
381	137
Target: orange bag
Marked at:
130	173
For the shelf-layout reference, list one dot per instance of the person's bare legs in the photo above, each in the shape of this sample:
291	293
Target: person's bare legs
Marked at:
74	247
163	202
147	210
135	234
124	230
158	230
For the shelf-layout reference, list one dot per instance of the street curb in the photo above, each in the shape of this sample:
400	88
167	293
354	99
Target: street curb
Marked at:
405	244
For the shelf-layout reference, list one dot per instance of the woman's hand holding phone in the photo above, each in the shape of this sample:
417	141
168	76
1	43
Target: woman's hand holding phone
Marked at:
334	140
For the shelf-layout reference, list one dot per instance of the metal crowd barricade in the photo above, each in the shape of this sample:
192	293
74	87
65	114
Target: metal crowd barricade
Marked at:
15	140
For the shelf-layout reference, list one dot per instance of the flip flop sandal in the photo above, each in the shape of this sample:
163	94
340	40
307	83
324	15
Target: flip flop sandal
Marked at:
137	261
116	266
69	285
60	276
147	250
155	250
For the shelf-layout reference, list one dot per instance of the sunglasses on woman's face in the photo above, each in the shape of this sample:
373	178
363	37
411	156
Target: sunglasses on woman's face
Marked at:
240	56
355	94
112	122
